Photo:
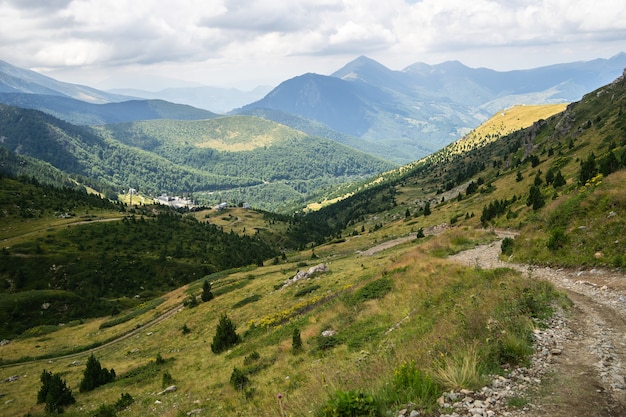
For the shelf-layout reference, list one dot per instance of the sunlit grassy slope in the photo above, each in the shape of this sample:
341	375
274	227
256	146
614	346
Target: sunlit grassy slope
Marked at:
430	310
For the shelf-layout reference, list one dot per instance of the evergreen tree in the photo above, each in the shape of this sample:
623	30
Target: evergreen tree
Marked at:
559	180
588	169
207	295
54	392
427	209
225	335
296	341
95	375
535	199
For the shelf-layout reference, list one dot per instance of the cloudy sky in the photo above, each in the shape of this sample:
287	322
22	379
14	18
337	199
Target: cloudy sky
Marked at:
245	43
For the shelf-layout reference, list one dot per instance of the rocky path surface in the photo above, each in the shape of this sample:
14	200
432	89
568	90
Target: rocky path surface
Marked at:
579	366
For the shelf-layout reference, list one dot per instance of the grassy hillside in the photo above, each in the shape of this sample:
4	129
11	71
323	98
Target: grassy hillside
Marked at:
402	312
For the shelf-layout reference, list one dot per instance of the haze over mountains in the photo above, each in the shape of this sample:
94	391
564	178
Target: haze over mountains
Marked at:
424	107
400	116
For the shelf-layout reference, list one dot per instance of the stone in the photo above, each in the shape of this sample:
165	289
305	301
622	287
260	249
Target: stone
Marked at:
171	388
556	352
414	414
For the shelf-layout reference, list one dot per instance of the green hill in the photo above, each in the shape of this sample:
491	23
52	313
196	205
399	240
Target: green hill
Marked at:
228	159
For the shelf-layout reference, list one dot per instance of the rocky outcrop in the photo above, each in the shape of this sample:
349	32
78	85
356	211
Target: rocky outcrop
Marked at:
301	275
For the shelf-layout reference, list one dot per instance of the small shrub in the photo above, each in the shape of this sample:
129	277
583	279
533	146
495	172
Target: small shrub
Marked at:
375	289
238	379
252	357
190	302
167	380
124	402
106	411
207	295
327	342
185	329
557	239
353	403
159	360
306	290
420	233
506	247
412	385
296	341
247	300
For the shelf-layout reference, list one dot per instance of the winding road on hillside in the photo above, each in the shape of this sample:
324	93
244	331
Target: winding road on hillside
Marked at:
588	376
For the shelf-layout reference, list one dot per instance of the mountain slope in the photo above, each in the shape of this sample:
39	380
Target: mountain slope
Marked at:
19	80
424	107
263	163
82	113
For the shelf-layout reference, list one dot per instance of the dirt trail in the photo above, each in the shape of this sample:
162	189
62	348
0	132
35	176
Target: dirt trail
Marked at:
587	377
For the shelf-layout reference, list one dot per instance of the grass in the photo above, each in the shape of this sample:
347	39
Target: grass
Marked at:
426	312
462	370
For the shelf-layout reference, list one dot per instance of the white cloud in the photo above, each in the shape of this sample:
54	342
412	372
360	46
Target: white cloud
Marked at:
248	38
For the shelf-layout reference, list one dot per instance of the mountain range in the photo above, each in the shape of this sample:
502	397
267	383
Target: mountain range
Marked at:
422	108
400	116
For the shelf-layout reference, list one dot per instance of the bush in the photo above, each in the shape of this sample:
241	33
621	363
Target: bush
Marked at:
225	335
296	341
353	403
167	380
190	301
306	290
124	402
375	289
506	247
412	385
238	379
556	240
252	357
106	411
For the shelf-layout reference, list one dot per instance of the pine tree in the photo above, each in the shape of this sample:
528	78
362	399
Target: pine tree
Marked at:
207	295
427	209
296	341
95	375
54	392
225	335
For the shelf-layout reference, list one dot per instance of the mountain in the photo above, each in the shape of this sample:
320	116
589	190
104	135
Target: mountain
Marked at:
236	158
422	108
83	105
82	113
19	80
215	99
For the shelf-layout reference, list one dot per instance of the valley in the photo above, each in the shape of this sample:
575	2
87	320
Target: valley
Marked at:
372	290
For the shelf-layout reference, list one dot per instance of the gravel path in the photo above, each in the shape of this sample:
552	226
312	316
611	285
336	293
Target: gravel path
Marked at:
580	361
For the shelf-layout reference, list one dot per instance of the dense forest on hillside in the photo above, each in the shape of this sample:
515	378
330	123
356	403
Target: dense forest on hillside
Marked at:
143	252
241	158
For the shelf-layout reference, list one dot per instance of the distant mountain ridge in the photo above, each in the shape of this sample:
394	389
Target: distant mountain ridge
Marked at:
84	105
18	80
423	107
